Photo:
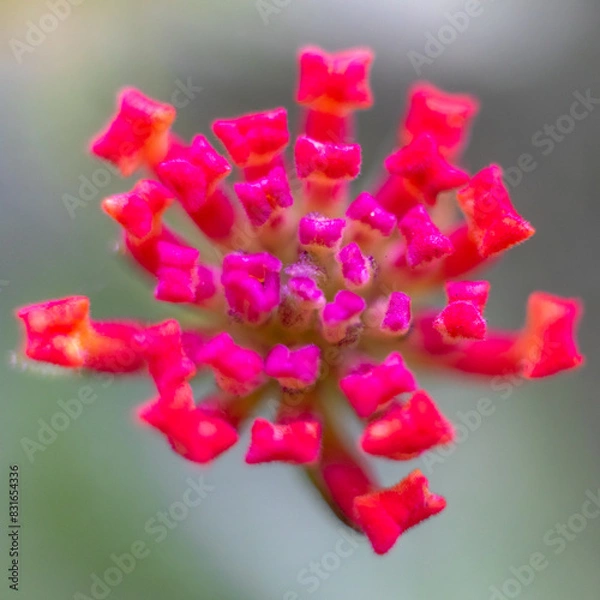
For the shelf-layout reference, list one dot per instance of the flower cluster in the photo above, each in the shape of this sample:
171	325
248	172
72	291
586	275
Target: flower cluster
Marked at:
309	295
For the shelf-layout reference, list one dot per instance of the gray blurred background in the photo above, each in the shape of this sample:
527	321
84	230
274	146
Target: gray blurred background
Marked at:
524	470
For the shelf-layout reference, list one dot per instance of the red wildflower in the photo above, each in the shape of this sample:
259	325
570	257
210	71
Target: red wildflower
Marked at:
313	286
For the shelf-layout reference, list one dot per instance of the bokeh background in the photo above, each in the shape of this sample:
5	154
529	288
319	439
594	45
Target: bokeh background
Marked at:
88	495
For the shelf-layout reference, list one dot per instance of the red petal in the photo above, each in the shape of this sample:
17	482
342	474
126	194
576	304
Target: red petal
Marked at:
547	345
61	332
493	222
295	441
406	431
425	170
385	515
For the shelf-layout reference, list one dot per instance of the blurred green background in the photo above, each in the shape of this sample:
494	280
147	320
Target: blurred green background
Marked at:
89	494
